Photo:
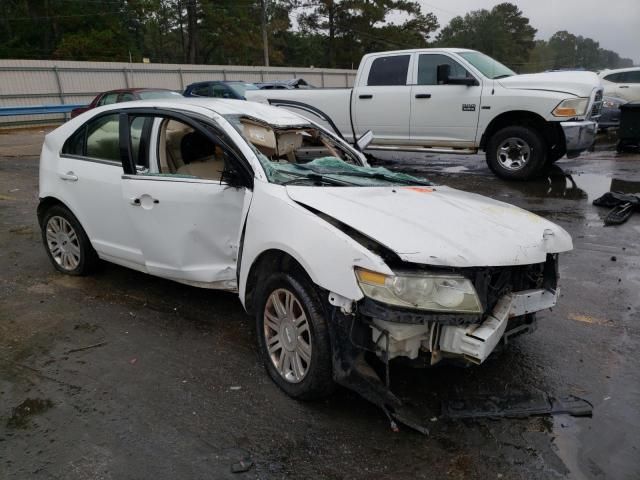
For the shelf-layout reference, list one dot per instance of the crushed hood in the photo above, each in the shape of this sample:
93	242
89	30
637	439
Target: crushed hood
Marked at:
439	225
580	84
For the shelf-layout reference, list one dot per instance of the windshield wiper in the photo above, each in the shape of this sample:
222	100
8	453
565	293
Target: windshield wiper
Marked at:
315	177
385	177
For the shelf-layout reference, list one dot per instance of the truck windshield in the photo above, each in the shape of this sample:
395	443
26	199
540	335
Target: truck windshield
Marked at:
489	67
307	155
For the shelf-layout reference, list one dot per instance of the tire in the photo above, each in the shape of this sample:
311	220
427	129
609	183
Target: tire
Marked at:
516	153
308	375
66	242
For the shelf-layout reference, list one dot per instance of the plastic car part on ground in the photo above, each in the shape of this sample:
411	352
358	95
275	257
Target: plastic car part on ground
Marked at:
516	406
336	168
623	205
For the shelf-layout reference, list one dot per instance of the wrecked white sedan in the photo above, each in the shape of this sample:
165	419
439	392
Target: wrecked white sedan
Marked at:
333	258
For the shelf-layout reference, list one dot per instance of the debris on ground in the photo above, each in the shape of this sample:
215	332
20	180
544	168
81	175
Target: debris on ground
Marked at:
516	406
243	465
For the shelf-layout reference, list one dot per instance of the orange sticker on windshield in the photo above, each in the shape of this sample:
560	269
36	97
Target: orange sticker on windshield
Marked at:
420	189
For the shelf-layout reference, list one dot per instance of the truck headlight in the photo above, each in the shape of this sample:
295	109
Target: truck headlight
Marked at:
572	107
423	291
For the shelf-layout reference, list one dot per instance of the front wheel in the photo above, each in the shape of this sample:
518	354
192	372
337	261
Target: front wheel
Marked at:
516	153
293	337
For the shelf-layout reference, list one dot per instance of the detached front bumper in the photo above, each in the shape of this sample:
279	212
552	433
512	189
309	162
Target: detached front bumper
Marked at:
473	342
476	342
579	136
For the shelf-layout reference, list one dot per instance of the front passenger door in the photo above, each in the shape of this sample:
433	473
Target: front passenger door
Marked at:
443	115
187	218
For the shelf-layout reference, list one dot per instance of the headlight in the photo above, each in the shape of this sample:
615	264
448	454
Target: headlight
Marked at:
609	103
424	291
572	107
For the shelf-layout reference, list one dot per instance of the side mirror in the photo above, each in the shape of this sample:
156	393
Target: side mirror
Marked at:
443	74
468	81
364	141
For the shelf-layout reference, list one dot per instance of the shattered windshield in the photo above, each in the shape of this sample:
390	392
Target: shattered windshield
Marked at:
306	155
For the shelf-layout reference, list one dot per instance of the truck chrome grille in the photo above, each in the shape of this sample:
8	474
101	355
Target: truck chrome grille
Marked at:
596	108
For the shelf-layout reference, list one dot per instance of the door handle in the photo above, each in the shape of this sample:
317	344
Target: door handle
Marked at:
423	95
365	97
136	202
69	176
623	86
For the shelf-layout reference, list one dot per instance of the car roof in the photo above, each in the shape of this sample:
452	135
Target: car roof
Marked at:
276	116
619	70
418	50
134	90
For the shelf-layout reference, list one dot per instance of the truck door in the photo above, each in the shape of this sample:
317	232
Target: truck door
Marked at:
443	115
381	104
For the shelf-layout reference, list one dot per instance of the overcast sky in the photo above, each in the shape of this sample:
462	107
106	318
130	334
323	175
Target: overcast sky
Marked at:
613	23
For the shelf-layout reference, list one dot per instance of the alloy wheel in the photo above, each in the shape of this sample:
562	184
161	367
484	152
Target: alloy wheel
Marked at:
513	153
63	243
287	335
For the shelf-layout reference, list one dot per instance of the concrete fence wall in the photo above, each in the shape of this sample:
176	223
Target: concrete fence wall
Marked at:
26	83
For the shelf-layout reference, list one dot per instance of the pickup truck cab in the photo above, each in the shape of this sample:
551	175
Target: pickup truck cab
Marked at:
461	101
333	258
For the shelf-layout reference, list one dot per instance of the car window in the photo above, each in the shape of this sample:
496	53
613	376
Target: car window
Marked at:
202	91
632	77
108	99
102	138
615	77
139	134
389	71
126	97
428	68
220	91
154	94
186	152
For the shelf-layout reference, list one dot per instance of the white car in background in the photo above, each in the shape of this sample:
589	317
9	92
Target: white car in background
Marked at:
622	83
332	257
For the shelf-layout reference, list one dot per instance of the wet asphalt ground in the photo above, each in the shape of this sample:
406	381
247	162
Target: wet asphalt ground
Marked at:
125	376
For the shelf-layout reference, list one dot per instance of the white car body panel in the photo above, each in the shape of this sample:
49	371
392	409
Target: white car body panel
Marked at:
579	84
206	216
627	90
276	222
440	225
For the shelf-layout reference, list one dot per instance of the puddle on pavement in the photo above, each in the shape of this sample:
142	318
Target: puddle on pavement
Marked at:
22	413
583	186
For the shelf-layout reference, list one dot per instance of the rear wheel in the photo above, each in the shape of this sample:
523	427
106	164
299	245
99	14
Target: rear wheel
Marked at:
293	337
66	242
516	153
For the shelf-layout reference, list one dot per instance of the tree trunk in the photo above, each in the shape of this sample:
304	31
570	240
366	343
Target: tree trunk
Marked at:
265	36
192	31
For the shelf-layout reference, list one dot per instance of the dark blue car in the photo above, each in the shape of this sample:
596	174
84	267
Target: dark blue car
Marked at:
219	89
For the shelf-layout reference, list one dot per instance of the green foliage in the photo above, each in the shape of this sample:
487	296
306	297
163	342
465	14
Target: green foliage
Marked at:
502	33
329	33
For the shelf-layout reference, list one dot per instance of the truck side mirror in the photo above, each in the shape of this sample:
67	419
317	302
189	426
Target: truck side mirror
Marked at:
444	72
364	141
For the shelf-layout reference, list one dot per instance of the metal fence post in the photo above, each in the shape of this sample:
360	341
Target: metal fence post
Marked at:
126	77
346	80
322	79
262	75
181	79
60	90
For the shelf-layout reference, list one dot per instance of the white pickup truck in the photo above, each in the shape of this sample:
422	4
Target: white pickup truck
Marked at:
459	101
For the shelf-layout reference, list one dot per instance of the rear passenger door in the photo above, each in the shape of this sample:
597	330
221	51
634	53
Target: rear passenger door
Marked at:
383	104
188	211
89	172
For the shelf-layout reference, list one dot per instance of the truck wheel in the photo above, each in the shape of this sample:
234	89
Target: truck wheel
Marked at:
293	337
66	242
516	153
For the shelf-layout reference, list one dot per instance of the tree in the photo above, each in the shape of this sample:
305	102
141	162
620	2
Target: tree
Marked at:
355	27
502	33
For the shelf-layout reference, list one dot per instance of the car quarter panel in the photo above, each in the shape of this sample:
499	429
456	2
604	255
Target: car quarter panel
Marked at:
276	222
